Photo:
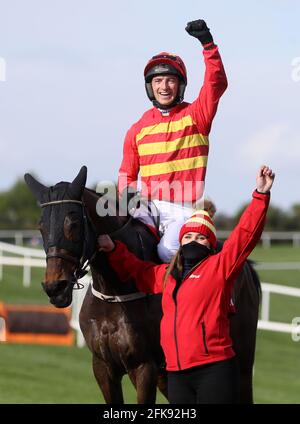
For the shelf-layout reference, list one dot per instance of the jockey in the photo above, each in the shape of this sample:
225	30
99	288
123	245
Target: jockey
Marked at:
168	146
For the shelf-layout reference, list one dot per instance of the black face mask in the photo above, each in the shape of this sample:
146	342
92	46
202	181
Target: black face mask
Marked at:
193	253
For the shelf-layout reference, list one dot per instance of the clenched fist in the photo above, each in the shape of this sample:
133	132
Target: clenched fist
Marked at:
199	30
264	179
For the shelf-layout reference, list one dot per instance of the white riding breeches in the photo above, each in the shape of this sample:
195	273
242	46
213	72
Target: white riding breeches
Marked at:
171	218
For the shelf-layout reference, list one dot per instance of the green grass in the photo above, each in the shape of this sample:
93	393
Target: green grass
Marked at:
46	374
56	374
281	253
285	278
282	308
13	291
277	368
51	374
278	254
277	365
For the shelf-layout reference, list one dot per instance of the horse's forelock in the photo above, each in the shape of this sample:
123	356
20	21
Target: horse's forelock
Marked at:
60	191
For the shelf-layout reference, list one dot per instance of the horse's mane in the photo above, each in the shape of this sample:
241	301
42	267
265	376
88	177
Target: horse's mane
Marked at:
98	195
90	190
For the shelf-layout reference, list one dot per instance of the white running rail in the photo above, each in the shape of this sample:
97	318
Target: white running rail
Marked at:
264	323
23	256
28	258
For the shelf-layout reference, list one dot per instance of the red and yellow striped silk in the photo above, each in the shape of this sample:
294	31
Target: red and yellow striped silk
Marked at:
173	151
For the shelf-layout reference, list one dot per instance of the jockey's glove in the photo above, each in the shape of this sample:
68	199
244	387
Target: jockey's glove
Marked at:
199	30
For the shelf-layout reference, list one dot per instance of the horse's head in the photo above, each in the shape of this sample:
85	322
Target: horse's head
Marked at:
63	226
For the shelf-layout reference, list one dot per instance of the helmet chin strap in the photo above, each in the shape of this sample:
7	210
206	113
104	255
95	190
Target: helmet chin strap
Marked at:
165	108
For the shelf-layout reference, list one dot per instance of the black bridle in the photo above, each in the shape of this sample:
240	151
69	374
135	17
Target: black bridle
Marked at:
86	256
85	259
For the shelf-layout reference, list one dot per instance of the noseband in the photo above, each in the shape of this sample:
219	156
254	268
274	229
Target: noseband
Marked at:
83	262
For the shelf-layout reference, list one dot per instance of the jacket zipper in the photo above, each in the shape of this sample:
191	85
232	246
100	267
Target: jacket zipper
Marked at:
175	336
175	319
204	337
192	269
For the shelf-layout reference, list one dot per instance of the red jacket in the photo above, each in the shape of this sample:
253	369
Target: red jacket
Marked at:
174	148
195	327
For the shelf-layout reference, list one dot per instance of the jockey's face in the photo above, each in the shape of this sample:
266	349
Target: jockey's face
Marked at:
198	237
165	88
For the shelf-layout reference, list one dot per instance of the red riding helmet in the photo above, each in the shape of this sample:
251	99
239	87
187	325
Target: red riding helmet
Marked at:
166	63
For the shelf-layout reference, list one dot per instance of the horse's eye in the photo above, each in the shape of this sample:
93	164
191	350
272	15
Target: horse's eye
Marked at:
72	228
71	220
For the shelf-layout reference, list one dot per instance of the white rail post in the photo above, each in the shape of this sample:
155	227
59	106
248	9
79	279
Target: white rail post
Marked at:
19	238
1	265
266	240
296	240
265	305
2	330
26	272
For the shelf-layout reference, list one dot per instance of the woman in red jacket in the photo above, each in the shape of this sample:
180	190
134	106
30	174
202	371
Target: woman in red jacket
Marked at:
196	289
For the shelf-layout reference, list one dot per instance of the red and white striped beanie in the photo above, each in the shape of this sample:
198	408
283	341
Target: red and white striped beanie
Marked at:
200	222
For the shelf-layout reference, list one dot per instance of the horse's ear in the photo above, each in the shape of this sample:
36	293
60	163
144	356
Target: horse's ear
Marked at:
35	187
78	184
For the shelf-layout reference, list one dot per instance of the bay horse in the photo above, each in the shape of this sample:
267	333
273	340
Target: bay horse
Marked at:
121	326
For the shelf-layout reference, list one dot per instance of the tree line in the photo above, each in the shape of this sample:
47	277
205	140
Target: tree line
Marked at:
277	219
19	210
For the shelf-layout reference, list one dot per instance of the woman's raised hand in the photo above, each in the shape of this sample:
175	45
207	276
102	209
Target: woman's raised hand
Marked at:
264	179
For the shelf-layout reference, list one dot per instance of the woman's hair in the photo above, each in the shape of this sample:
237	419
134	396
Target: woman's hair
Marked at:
176	263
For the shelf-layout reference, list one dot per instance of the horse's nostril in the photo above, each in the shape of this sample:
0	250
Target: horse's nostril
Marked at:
55	288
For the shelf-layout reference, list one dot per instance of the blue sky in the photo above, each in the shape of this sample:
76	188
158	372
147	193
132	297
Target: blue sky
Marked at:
74	85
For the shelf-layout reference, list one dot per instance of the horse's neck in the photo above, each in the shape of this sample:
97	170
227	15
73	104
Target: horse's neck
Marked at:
105	279
133	233
104	221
